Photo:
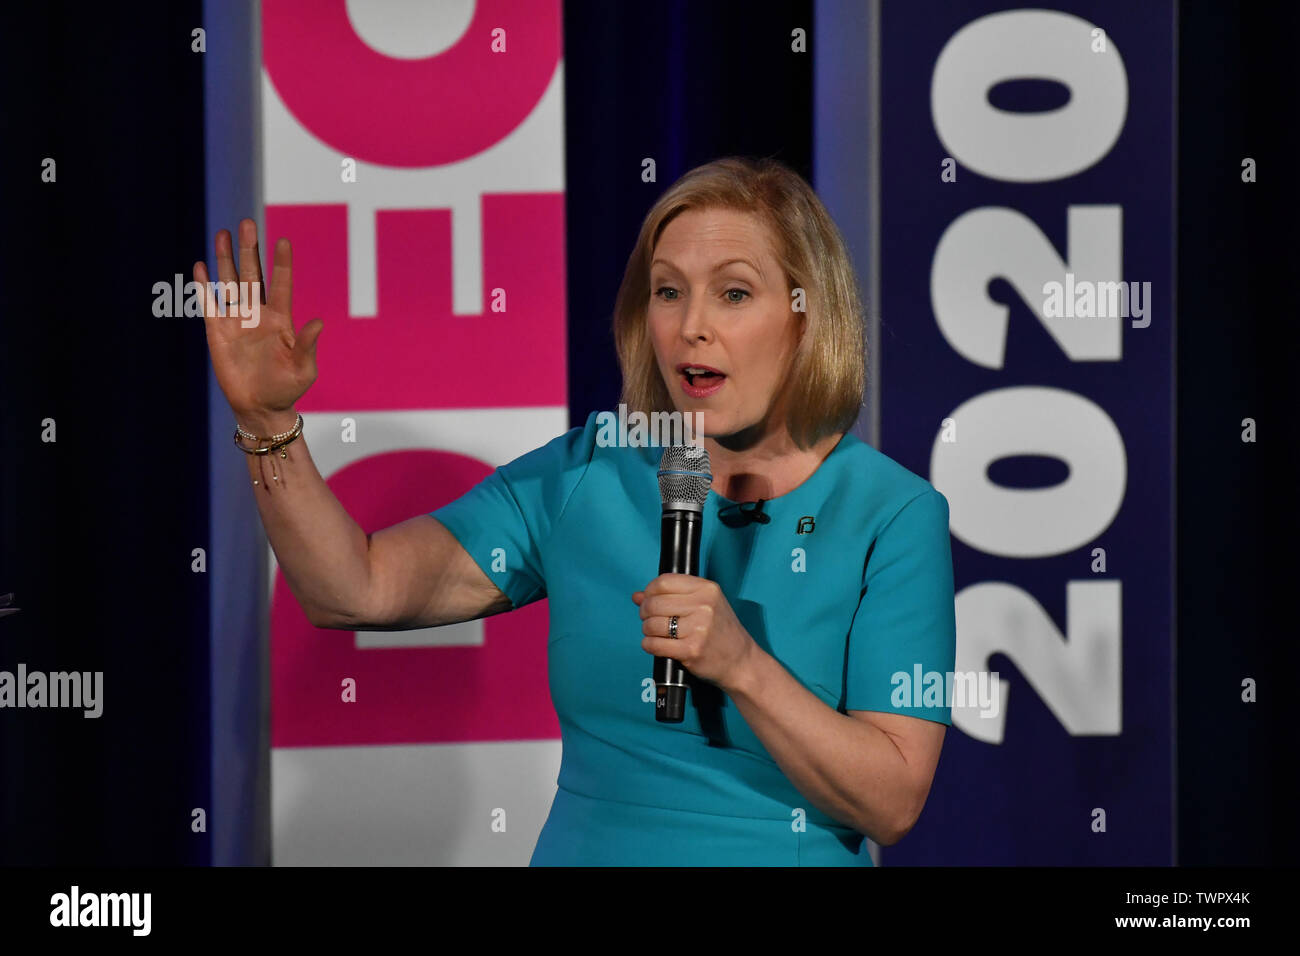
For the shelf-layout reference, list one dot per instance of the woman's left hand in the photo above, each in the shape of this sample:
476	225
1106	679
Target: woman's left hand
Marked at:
711	643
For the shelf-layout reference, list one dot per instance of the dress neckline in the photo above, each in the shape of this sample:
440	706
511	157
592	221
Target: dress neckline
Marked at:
847	440
812	479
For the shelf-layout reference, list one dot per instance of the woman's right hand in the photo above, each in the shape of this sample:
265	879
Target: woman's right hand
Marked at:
263	368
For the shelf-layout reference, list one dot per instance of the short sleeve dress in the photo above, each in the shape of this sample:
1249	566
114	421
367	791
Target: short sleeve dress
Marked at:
849	585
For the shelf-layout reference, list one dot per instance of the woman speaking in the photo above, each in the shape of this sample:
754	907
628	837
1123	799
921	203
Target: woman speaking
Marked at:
825	589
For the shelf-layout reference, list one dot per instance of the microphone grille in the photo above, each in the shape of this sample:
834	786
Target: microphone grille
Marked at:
684	477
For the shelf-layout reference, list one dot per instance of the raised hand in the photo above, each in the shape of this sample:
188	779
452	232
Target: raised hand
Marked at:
261	364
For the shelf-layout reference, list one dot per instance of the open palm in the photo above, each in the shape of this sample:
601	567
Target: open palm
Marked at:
264	367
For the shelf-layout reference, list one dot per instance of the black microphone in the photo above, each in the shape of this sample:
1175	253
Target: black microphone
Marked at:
684	482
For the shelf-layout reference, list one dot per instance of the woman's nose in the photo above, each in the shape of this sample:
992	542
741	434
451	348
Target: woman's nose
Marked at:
695	324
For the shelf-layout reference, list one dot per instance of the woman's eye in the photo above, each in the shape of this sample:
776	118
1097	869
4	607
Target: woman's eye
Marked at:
734	296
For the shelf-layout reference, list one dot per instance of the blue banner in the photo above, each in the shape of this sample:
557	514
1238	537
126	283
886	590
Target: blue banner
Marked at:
1026	369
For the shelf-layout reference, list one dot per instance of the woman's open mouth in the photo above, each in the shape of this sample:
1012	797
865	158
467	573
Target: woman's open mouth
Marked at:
699	381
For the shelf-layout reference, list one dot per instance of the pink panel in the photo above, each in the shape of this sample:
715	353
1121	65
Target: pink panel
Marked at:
398	112
415	354
407	695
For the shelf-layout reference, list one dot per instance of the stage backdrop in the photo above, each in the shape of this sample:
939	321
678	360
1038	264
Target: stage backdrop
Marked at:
413	155
1026	350
1018	245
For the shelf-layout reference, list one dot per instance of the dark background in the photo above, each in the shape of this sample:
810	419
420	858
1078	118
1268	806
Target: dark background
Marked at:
1237	252
96	530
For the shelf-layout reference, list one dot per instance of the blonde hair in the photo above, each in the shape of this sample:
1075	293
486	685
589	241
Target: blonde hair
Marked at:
827	375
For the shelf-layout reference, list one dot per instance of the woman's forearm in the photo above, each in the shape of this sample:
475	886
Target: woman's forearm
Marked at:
321	550
847	768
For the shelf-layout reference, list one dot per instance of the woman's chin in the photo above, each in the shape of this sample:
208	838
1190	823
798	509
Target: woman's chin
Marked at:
712	424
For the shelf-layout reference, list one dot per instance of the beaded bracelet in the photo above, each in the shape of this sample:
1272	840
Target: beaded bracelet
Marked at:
274	438
277	443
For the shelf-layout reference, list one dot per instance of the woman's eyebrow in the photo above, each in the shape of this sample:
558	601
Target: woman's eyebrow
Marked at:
717	268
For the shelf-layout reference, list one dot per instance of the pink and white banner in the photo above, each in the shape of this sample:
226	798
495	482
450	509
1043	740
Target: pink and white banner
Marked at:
413	155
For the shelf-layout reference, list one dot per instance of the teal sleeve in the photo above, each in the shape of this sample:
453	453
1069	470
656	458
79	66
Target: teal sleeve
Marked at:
505	521
905	627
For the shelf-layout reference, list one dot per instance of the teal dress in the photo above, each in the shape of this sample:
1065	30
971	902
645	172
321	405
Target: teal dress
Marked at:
849	585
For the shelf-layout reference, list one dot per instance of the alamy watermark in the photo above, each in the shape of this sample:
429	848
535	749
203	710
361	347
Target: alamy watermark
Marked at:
76	908
639	430
948	689
75	689
1086	299
190	299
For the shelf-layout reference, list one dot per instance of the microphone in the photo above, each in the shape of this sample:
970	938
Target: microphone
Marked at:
684	481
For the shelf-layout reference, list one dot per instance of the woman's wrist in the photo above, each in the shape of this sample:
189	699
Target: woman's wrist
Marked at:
265	424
